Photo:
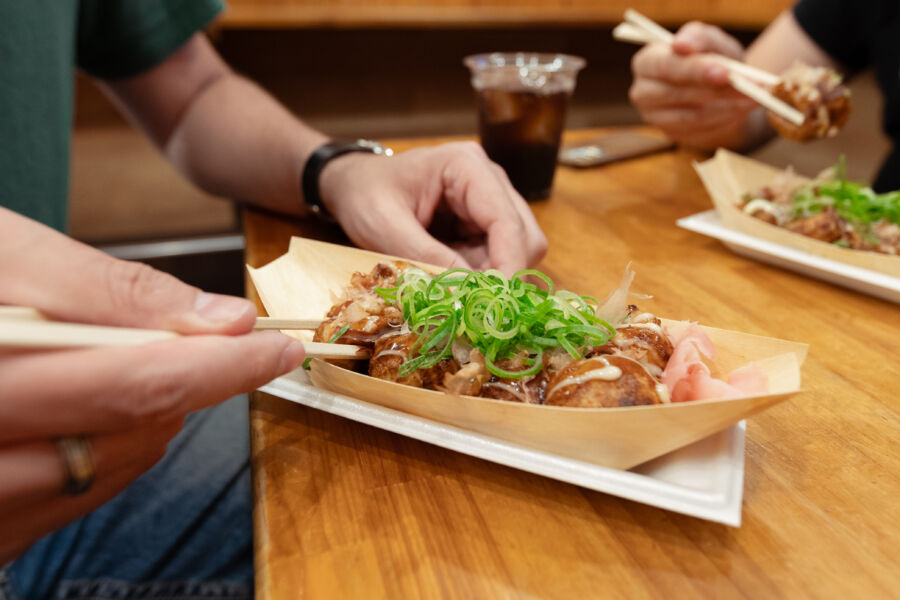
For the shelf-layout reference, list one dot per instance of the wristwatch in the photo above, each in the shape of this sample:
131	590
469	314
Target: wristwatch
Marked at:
322	155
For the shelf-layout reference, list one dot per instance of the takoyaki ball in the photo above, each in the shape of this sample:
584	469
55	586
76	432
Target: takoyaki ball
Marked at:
825	226
433	377
854	240
887	235
764	215
367	313
642	339
530	389
816	92
363	331
603	382
384	275
469	379
391	351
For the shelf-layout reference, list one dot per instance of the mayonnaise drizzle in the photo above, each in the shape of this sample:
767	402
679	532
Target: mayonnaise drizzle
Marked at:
607	372
641	318
654	370
390	352
650	326
509	388
663	392
759	204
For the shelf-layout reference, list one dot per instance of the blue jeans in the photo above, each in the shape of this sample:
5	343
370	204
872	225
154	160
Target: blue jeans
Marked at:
181	530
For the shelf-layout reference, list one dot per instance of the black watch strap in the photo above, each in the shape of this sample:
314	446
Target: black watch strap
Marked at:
328	151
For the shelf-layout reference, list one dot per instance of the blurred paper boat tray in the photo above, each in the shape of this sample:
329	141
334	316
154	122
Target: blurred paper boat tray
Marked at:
307	279
728	176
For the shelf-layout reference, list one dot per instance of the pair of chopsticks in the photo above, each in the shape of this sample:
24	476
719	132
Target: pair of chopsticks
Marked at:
639	29
23	327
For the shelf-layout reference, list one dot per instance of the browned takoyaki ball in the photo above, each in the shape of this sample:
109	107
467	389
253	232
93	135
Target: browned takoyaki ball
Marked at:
470	378
530	389
816	92
367	313
393	350
363	331
384	274
825	226
603	382
644	341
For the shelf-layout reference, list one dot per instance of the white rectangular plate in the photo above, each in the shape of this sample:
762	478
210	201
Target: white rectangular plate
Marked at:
849	276
705	479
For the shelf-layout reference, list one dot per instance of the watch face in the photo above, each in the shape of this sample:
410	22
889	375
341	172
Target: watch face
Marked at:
374	147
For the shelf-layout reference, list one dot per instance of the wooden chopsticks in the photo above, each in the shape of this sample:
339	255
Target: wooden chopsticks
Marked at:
23	327
638	29
275	323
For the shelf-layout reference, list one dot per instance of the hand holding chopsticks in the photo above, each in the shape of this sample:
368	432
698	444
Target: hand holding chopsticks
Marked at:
22	327
639	29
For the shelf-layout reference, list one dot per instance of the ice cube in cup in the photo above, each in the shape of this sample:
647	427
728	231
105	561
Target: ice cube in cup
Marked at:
546	117
522	101
500	106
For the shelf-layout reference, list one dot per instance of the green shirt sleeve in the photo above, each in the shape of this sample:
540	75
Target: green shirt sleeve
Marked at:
121	38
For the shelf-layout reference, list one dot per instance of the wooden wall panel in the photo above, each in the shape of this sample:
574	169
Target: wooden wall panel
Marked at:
490	13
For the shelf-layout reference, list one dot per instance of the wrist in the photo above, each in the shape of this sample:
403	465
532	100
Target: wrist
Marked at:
323	165
335	175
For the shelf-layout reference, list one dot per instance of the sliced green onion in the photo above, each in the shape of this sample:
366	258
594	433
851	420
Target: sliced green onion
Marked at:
855	202
503	318
334	338
340	332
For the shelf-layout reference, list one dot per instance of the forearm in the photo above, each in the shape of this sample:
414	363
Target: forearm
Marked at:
219	129
235	140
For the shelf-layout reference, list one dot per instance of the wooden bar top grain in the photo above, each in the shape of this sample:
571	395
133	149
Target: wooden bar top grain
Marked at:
344	510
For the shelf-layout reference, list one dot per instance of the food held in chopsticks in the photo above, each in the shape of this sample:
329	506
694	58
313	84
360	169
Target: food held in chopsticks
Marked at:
819	94
831	209
481	334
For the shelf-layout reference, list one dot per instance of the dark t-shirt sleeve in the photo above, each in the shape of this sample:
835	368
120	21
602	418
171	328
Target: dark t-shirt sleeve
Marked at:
121	38
837	27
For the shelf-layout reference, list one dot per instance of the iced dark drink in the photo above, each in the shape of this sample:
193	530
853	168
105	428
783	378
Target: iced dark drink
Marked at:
520	131
522	101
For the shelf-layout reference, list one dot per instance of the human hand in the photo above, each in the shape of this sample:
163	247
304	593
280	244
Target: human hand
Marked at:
386	204
682	90
128	401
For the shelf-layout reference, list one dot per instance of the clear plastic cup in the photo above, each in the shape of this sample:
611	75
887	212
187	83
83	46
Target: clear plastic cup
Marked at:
522	102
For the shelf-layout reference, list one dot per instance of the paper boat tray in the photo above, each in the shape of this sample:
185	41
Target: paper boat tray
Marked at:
728	176
307	279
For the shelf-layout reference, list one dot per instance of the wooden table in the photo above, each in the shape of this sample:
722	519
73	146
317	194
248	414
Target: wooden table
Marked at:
344	510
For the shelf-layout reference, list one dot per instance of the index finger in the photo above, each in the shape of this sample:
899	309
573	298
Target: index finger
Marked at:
479	192
50	394
658	61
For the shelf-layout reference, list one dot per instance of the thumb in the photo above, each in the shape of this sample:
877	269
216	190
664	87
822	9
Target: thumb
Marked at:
70	281
136	295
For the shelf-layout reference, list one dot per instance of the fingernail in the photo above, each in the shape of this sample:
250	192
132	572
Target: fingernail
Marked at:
292	357
216	307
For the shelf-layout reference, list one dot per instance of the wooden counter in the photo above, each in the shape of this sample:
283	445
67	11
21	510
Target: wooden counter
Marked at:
344	510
